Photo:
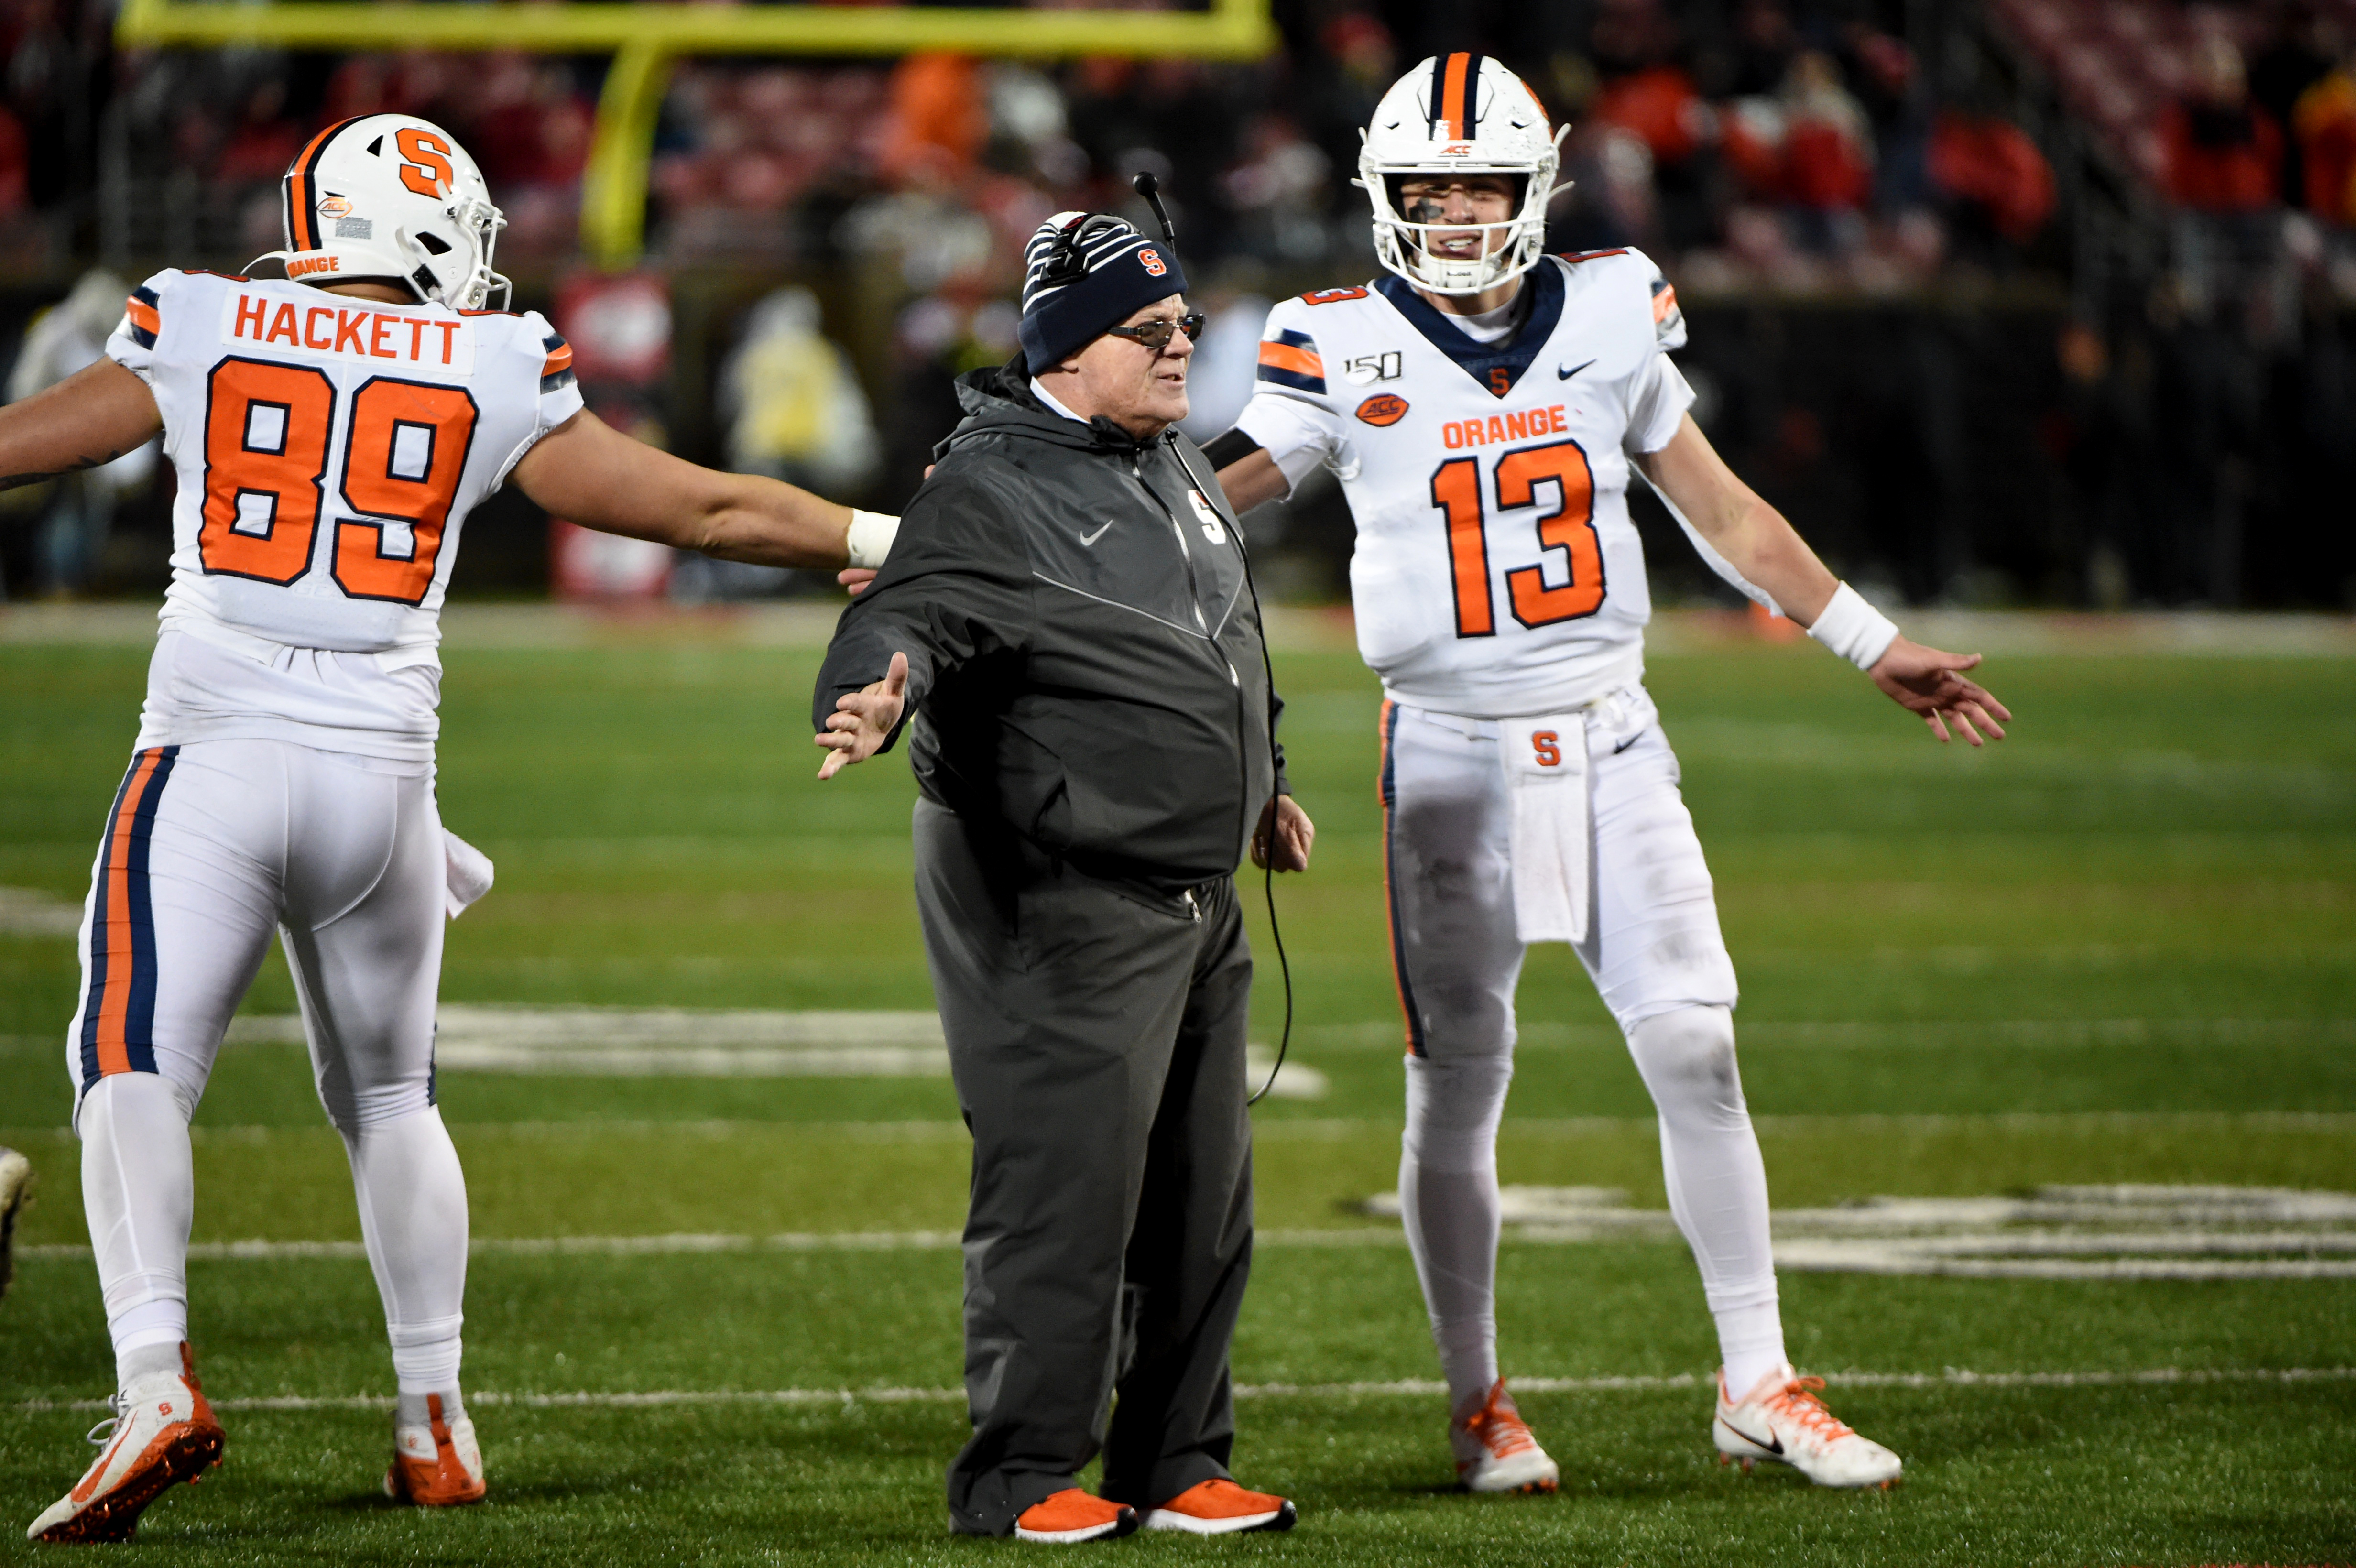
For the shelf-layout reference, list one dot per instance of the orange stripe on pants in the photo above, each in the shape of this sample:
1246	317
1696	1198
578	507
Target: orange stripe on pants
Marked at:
115	1003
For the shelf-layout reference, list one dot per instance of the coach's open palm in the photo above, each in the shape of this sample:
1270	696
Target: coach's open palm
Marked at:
1931	685
862	720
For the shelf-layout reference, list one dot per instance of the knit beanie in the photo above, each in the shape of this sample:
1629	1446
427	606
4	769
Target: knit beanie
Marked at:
1124	274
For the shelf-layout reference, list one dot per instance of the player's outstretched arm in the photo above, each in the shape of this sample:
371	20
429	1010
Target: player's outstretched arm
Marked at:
91	418
587	472
1758	542
862	720
1252	480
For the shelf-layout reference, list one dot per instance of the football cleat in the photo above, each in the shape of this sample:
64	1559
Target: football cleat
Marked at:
162	1431
1219	1506
1072	1516
1495	1451
15	1185
1782	1419
438	1464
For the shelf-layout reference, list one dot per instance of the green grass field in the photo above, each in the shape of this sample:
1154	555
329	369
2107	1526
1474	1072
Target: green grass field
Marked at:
2119	948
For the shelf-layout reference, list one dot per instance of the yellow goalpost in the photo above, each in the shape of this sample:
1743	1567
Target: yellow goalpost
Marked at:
645	38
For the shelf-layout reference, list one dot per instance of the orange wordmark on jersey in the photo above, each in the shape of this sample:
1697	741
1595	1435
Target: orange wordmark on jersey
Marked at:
1569	527
408	446
360	332
425	161
1457	434
265	453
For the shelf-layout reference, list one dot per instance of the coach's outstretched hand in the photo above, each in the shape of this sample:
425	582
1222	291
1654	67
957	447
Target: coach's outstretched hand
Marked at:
1931	685
862	720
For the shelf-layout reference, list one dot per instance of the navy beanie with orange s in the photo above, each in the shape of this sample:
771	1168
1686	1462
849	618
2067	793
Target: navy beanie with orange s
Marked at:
1084	271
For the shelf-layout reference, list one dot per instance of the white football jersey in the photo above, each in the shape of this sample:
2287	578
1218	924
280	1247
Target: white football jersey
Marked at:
329	450
1496	573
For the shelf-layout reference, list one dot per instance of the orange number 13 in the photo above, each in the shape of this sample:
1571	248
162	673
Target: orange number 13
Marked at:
1569	527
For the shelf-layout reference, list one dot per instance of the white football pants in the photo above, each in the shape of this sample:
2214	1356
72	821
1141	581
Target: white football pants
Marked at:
210	846
1655	951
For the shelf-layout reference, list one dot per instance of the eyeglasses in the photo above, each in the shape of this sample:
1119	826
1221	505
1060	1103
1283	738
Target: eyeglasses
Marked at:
1156	334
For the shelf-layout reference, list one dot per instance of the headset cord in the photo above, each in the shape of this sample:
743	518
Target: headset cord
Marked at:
1268	866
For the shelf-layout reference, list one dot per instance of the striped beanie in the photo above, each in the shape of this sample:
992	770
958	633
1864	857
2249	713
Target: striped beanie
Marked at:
1124	273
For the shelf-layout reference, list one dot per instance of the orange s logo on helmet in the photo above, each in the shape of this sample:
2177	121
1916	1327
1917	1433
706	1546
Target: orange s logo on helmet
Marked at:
1383	408
1152	263
425	161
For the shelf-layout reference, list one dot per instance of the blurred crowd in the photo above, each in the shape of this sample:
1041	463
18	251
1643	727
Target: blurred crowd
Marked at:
1855	151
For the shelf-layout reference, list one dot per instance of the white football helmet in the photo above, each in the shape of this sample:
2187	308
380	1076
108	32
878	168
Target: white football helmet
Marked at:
1461	114
392	199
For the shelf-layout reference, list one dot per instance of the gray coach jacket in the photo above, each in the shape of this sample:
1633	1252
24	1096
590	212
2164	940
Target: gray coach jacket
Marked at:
1084	662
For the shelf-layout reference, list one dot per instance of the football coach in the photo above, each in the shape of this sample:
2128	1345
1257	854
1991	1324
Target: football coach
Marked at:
1067	611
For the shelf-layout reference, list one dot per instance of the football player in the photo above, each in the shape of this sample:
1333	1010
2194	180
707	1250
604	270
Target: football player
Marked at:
331	431
1482	406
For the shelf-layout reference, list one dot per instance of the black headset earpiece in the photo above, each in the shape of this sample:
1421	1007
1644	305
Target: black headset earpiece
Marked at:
1067	260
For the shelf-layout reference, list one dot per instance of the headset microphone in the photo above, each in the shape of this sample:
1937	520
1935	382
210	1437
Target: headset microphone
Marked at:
1150	189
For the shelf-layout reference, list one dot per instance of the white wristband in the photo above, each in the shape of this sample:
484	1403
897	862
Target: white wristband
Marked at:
869	539
1854	629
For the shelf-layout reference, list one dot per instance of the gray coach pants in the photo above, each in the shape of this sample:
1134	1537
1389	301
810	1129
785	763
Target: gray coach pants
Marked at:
1096	1036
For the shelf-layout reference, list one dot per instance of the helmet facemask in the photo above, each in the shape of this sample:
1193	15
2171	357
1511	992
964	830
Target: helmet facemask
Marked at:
1445	121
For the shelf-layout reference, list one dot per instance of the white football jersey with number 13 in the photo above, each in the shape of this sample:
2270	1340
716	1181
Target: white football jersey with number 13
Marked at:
1496	572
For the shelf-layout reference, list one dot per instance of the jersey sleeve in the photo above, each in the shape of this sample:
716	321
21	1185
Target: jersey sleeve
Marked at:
1292	415
131	345
1668	321
1658	394
560	392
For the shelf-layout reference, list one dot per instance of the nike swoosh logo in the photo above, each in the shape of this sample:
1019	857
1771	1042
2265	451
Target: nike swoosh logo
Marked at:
1632	738
1091	538
1773	1444
1563	375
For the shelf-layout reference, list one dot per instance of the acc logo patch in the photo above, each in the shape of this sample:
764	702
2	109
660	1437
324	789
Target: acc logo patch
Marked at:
1151	261
1208	515
1382	409
334	206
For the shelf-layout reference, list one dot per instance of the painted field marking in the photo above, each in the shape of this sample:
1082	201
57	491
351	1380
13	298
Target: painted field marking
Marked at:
28	911
1952	1377
687	1042
2138	1231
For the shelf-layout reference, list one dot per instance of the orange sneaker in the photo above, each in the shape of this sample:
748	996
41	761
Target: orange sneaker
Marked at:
163	1432
1495	1451
1072	1516
1219	1506
438	1464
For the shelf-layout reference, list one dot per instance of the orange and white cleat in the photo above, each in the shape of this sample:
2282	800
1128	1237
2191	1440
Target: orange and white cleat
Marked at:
162	1433
1072	1516
1219	1506
1782	1419
438	1464
1495	1451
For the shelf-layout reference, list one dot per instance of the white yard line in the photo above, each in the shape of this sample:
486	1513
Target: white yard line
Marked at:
1954	1377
